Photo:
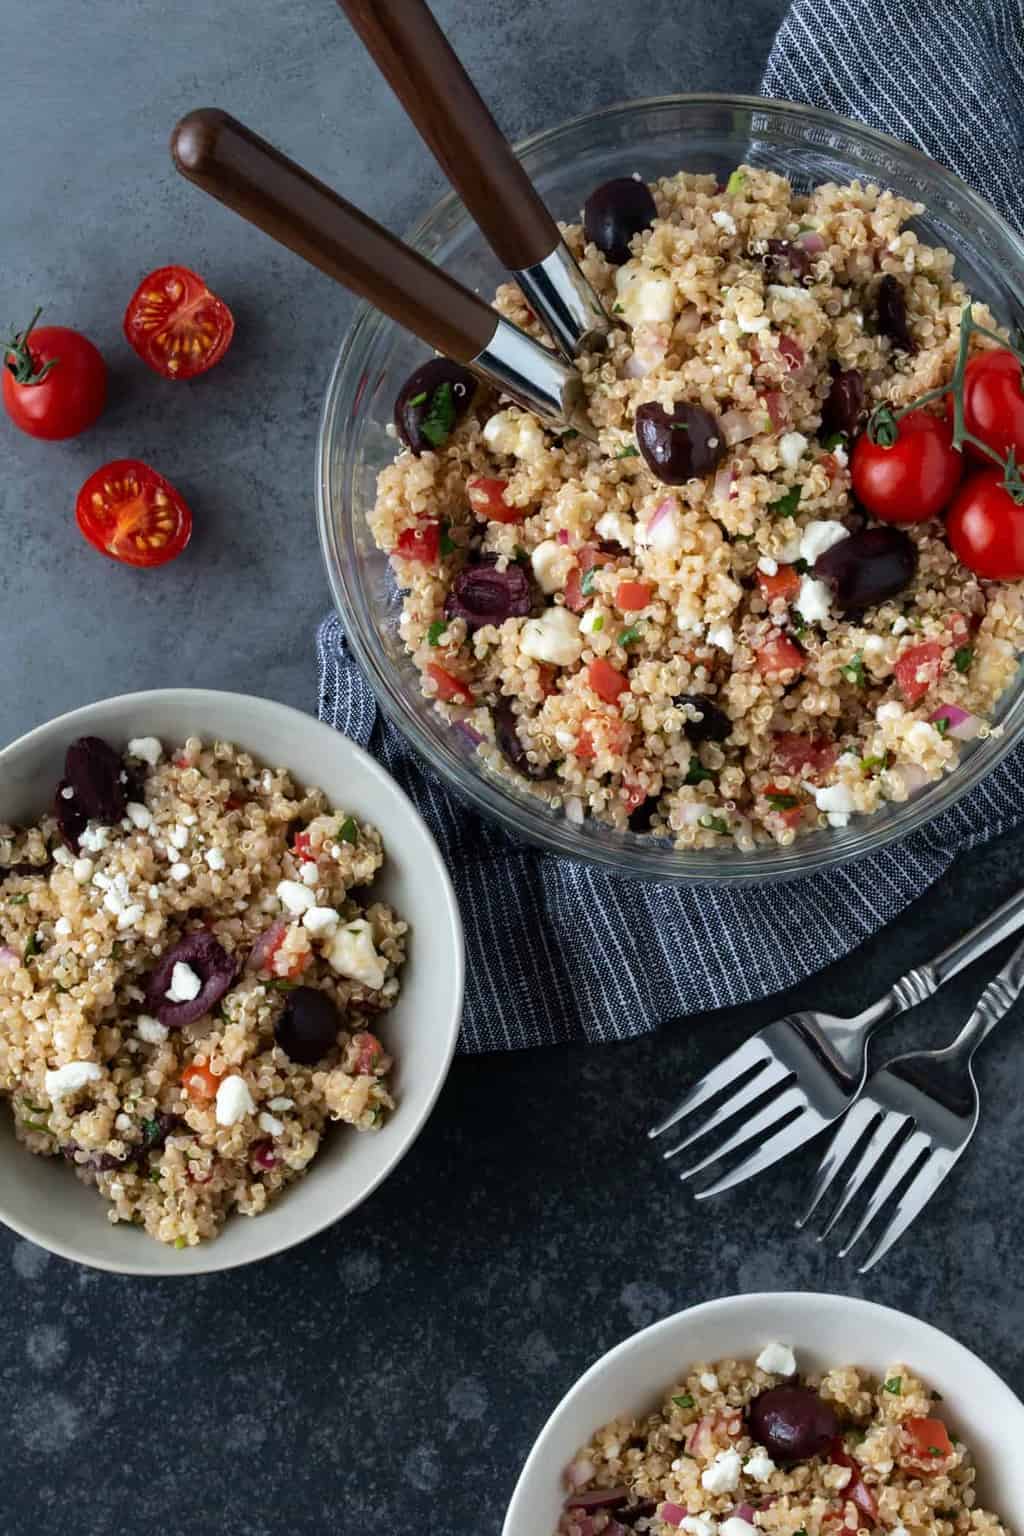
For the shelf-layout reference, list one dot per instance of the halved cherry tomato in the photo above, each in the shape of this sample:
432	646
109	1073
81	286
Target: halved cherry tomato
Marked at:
200	1084
785	583
422	543
607	682
370	1052
450	689
985	528
632	596
176	324
913	479
129	512
993	403
919	669
856	1489
487	498
927	1439
803	756
54	381
779	655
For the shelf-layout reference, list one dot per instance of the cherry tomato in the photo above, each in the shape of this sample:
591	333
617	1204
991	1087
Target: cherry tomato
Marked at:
915	478
803	756
450	689
129	512
200	1084
487	498
985	528
55	381
422	543
918	669
785	583
927	1439
606	681
993	403
632	596
779	654
176	324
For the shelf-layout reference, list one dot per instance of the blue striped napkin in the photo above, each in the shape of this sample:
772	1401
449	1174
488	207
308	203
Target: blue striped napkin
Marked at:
558	951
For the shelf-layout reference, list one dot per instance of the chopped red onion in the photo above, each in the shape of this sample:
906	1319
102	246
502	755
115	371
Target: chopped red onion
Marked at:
722	488
963	725
7	957
744	1512
598	1498
672	1514
812	242
562	535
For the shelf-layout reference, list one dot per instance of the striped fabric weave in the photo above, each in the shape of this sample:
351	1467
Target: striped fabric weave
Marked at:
557	951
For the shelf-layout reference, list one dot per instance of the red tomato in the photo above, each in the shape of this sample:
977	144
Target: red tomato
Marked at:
303	847
422	543
856	1489
793	815
575	597
793	353
615	734
55	381
606	681
547	677
927	1439
985	528
915	478
830	464
919	669
959	626
633	595
803	756
785	583
487	498
993	403
176	324
129	512
370	1052
635	795
775	405
200	1084
450	689
778	655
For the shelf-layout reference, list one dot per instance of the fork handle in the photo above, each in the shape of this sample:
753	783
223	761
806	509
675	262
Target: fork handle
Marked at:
925	980
994	1004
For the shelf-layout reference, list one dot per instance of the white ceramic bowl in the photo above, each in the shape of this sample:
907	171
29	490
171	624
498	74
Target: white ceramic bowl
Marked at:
824	1331
40	1198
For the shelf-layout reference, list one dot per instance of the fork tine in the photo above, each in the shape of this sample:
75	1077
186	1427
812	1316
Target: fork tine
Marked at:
914	1199
885	1133
906	1156
767	1120
751	1090
780	1145
850	1130
753	1053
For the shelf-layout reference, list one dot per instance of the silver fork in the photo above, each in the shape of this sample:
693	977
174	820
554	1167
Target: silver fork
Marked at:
809	1067
922	1109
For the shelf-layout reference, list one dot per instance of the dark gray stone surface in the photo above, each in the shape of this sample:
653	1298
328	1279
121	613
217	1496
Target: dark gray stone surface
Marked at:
390	1375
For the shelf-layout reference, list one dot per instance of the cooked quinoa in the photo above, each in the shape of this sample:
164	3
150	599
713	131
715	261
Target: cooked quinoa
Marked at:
695	1466
806	739
230	865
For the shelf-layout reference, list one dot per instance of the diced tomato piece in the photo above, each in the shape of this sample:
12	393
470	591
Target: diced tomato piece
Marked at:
450	689
959	626
422	543
615	734
779	655
607	682
785	583
547	677
632	596
370	1052
303	847
233	803
856	1490
487	498
830	464
635	795
200	1084
918	669
585	749
803	756
589	557
927	1439
793	353
775	404
574	598
790	815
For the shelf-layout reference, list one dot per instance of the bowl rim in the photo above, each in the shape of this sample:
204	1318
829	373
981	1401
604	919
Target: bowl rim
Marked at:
711	1310
70	721
554	834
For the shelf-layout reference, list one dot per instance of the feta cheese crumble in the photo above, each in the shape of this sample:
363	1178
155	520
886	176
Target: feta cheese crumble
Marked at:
723	1475
778	1359
353	954
70	1078
185	984
146	749
234	1101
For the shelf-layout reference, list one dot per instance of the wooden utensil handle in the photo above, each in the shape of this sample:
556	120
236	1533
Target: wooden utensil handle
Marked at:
425	73
228	160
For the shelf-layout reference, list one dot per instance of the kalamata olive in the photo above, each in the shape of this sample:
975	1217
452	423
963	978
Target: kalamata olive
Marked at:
844	404
210	962
509	741
430	403
481	594
642	815
715	725
96	774
614	213
868	567
682	446
891	307
70	814
792	1423
308	1027
782	255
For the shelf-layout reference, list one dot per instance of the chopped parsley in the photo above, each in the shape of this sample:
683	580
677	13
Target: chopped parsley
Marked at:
786	505
587	583
854	671
436	630
629	635
963	657
697	773
686	1401
942	725
737	181
281	984
629	452
801	567
835	440
420	399
617	309
933	1450
797	623
448	544
32	946
437	424
154	1175
598	624
782	802
349	831
894	1385
18	901
869	765
714	823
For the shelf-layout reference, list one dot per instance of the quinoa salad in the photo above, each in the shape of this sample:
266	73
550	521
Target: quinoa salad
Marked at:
692	627
741	1447
193	980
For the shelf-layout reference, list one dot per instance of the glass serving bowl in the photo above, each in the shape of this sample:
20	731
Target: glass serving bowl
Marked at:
655	138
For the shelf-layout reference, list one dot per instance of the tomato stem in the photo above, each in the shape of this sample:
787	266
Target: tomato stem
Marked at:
18	359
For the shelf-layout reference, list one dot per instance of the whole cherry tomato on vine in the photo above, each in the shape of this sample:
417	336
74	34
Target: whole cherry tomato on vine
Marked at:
54	381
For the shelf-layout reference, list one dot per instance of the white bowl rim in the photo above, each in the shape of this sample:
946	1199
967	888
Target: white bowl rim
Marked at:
70	722
709	1310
